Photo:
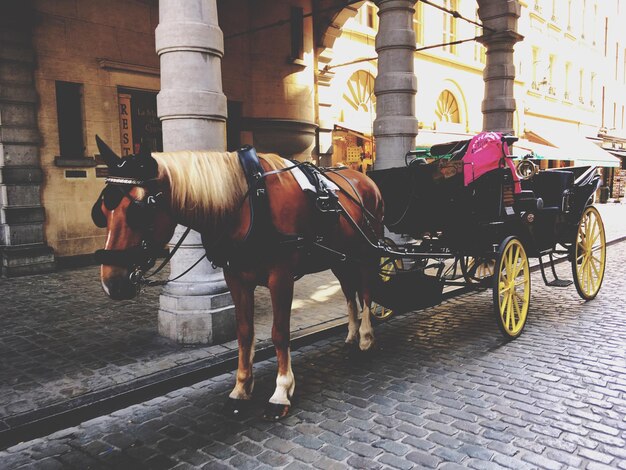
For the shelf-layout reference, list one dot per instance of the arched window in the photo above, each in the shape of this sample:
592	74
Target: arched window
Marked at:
360	92
447	108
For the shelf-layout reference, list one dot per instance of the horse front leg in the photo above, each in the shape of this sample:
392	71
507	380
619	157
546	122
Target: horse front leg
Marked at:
281	291
243	298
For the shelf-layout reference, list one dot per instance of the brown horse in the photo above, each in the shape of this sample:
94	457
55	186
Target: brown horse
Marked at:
148	195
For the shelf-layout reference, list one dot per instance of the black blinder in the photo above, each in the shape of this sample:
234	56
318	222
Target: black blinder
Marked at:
112	196
97	216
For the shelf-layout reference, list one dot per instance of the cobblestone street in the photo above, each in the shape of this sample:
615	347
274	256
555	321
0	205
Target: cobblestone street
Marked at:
442	391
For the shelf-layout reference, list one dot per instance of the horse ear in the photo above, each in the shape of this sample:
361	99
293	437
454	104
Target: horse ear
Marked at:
108	156
145	149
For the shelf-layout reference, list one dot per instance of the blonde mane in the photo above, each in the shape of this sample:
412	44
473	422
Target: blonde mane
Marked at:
206	187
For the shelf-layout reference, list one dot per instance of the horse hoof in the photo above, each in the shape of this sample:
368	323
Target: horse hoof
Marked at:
367	344
236	408
275	411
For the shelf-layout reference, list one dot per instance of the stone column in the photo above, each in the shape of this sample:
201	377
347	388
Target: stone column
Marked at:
22	246
198	307
395	126
499	74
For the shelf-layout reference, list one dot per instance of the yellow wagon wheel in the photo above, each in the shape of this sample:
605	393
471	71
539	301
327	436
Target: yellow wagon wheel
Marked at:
589	251
511	287
388	268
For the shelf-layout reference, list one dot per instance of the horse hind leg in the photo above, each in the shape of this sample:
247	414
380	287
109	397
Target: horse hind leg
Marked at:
281	291
243	298
349	288
366	330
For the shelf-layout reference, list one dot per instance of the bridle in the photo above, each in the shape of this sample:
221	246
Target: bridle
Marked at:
140	215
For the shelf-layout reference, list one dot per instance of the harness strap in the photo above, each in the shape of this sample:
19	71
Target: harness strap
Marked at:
128	258
221	251
169	257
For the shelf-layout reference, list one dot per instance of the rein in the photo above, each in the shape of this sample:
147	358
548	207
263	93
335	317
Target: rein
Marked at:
137	276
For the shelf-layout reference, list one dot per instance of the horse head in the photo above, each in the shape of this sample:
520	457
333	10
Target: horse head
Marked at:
133	207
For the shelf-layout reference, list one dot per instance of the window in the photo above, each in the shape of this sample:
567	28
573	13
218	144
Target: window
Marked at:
418	23
479	49
551	77
447	108
139	122
367	15
583	13
371	20
360	92
535	72
606	37
595	23
297	33
569	15
70	120
568	73
616	60
581	75
592	85
449	26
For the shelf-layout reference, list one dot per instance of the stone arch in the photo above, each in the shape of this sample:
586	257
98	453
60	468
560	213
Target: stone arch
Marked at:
328	25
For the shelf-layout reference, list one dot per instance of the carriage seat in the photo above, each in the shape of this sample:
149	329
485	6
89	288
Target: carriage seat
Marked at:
456	150
551	185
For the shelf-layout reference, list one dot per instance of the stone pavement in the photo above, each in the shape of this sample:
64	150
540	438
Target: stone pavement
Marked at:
443	390
62	338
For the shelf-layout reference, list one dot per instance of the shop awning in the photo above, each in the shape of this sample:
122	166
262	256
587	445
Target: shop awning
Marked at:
569	147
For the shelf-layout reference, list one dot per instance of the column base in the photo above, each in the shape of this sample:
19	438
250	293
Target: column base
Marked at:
26	260
201	319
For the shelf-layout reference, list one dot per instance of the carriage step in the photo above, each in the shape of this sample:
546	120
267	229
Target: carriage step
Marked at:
559	283
555	282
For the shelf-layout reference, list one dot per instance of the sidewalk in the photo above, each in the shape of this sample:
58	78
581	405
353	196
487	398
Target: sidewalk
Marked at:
64	343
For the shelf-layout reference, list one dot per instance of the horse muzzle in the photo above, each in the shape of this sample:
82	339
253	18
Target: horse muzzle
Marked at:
117	284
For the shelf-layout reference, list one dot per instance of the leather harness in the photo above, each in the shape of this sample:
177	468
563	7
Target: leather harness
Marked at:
262	238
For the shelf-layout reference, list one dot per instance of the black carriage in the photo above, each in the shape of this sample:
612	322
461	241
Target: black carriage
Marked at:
474	217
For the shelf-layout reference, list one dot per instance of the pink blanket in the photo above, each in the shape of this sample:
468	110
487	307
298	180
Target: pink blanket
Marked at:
484	154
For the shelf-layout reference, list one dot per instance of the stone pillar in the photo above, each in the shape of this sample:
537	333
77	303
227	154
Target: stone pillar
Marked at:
395	126
499	74
22	246
198	307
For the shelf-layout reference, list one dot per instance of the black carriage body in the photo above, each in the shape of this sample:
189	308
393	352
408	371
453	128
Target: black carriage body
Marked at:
486	223
431	200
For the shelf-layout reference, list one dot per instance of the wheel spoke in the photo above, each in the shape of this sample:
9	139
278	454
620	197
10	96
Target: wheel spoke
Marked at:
516	309
595	267
520	267
506	309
